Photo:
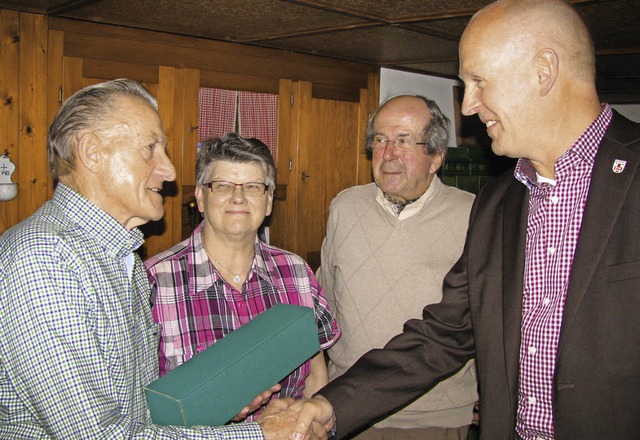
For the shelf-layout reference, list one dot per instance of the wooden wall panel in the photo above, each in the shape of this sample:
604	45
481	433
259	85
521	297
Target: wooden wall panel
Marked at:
34	177
187	173
111	69
236	81
72	80
283	217
369	99
55	74
192	84
9	105
332	79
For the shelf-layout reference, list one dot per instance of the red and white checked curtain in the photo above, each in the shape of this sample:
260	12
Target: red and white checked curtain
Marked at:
250	114
257	117
216	112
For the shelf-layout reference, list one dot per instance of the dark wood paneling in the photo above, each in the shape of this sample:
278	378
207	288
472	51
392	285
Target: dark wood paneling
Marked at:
262	67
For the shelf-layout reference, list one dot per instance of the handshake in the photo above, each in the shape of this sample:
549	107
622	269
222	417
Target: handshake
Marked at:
289	419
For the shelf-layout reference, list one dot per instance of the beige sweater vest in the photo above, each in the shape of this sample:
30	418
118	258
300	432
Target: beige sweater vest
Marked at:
379	272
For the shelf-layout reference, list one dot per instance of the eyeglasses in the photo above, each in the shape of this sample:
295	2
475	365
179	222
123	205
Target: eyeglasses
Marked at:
402	144
249	189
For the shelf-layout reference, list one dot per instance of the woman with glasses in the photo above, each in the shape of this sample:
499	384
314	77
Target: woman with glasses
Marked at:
223	275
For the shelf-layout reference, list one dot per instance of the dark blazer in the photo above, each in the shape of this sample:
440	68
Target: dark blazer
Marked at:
597	380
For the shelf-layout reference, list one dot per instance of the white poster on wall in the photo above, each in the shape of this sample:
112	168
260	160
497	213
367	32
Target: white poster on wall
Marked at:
631	111
440	90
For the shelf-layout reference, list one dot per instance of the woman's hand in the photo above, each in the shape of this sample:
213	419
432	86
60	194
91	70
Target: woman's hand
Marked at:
257	402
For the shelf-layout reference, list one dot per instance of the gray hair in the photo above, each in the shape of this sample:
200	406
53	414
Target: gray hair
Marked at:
435	133
86	109
234	148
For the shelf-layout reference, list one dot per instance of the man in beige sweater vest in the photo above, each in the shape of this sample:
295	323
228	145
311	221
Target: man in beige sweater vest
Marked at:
387	249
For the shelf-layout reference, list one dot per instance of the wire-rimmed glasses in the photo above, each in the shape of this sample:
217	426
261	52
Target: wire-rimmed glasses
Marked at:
402	144
225	187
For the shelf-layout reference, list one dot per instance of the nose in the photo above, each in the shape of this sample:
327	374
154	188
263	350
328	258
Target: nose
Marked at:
470	102
165	168
238	194
389	152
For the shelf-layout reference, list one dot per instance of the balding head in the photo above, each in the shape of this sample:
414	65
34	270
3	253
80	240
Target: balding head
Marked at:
539	25
436	125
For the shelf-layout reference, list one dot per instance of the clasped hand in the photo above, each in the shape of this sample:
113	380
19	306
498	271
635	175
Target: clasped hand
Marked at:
289	419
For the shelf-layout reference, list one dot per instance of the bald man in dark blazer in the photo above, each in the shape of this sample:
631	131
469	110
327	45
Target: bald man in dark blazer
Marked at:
597	379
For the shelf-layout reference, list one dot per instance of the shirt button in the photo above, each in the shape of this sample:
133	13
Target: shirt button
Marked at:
532	400
532	350
555	199
546	301
551	250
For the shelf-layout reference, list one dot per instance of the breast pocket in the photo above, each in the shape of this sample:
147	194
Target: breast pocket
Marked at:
623	272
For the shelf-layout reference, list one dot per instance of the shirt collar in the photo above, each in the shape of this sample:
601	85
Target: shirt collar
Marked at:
413	208
198	262
117	240
584	148
203	268
261	265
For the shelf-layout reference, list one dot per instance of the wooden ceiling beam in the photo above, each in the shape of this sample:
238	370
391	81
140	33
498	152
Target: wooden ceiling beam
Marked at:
319	31
66	6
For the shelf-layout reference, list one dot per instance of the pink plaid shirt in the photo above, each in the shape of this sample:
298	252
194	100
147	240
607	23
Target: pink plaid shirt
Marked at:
197	307
555	216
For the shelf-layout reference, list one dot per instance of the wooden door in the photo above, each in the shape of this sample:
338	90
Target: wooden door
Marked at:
320	149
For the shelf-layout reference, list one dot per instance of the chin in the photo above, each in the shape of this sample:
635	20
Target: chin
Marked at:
497	149
153	216
157	217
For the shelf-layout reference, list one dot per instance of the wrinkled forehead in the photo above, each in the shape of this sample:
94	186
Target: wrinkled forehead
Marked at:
406	112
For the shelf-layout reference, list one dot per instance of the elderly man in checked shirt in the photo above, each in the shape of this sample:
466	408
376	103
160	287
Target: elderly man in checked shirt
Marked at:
77	339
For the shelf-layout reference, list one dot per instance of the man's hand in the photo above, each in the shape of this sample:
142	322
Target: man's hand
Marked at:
312	412
256	403
286	419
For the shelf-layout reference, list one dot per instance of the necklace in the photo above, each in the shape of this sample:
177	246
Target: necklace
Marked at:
236	277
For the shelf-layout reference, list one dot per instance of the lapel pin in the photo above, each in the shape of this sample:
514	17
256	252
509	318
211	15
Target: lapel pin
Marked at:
618	166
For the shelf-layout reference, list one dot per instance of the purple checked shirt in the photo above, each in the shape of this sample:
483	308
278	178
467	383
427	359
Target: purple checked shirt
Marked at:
555	216
197	307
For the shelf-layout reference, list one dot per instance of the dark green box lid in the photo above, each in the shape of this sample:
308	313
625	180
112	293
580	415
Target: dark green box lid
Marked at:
213	386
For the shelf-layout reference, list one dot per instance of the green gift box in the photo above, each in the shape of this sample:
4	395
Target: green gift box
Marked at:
212	387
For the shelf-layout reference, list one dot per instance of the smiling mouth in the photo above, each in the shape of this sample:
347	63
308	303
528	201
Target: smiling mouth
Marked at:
156	190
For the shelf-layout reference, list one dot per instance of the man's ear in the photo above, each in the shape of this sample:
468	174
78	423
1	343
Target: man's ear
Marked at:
90	152
547	70
436	163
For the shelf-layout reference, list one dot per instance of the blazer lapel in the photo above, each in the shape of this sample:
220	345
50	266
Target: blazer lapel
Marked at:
514	234
607	193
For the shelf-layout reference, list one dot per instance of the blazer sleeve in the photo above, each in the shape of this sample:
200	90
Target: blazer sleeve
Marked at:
427	351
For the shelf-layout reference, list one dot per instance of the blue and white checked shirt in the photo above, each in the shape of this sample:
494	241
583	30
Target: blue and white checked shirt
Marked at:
77	339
